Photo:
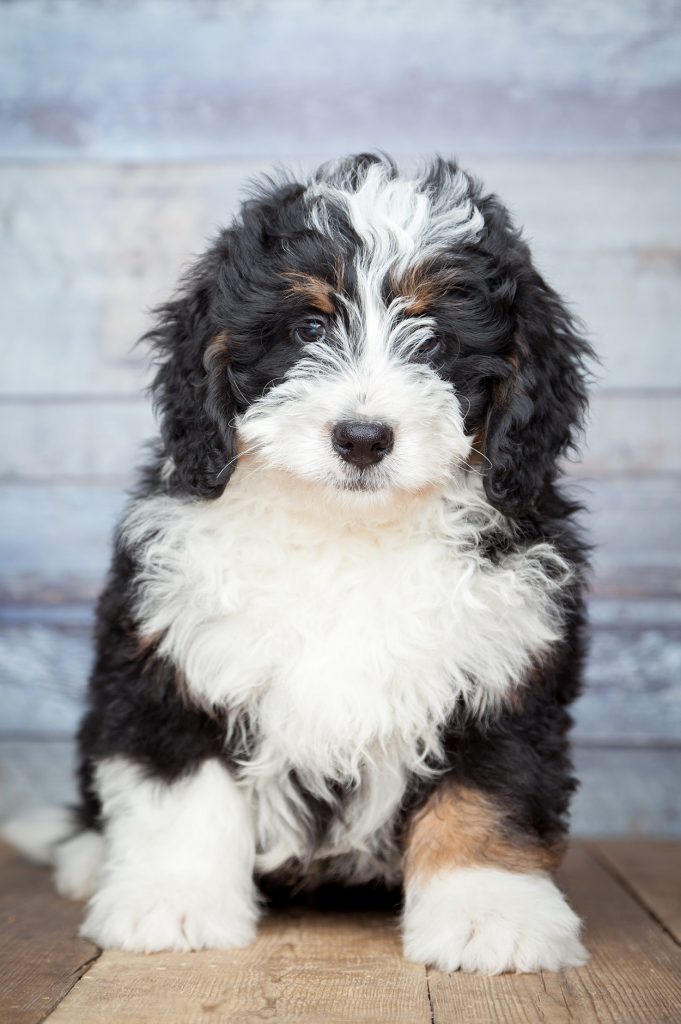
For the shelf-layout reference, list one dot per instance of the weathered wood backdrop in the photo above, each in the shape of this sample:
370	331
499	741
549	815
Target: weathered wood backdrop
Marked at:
127	129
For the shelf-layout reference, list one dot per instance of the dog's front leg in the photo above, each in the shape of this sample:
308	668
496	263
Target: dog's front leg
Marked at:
178	867
478	892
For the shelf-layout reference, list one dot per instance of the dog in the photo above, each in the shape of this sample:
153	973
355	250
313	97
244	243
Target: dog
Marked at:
344	619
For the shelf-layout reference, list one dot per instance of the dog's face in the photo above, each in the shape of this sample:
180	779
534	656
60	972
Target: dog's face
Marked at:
372	334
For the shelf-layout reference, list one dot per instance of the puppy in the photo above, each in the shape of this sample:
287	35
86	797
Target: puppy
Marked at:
344	622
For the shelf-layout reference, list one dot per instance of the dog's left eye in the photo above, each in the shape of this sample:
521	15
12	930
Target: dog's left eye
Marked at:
312	329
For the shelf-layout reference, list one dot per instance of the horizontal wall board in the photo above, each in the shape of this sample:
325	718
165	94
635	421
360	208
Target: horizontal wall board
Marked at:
632	689
634	526
632	692
627	791
43	673
181	79
86	250
56	539
629	434
99	439
622	791
36	774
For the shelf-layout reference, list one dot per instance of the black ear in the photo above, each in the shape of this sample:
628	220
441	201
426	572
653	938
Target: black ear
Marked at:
192	390
537	411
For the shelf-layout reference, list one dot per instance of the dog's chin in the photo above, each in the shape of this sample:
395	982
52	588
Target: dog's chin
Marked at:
366	490
363	481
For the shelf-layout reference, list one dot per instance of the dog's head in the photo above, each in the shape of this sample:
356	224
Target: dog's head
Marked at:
372	333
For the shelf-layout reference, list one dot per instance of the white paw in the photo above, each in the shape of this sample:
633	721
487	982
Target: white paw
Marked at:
486	920
149	918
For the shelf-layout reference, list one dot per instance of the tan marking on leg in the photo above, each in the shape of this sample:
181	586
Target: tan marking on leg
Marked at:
461	827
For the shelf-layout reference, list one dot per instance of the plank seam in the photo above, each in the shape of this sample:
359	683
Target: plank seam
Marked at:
542	975
604	861
72	982
430	996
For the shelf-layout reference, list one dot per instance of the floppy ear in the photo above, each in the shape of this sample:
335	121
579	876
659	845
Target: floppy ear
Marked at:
192	389
538	409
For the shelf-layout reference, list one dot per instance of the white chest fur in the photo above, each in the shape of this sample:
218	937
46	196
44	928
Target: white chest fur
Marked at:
346	636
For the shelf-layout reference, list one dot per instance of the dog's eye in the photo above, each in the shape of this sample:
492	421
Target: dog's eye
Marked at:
429	348
310	330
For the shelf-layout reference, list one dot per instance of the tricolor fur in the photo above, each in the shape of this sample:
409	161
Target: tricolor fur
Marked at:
343	621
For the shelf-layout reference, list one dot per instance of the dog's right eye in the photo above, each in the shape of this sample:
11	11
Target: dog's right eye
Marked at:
310	330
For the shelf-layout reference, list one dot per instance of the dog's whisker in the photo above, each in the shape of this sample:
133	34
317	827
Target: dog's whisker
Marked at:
239	455
482	456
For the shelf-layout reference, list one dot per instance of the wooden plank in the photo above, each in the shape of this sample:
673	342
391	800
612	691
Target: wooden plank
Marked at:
651	869
41	957
44	670
334	967
303	968
119	238
89	248
53	441
628	434
631	559
57	541
627	790
632	691
35	772
181	80
634	973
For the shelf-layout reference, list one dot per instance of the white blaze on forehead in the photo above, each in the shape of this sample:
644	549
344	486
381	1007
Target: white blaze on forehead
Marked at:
400	221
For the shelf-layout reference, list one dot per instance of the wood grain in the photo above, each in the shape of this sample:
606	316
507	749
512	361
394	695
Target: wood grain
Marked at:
41	957
308	967
651	869
304	968
634	973
181	79
627	790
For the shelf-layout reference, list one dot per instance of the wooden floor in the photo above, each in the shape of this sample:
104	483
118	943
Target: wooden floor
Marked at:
310	967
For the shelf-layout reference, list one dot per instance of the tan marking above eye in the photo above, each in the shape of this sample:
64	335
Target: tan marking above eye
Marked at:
421	288
319	293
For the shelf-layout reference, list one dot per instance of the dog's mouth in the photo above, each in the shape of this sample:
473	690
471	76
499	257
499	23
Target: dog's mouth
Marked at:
363	480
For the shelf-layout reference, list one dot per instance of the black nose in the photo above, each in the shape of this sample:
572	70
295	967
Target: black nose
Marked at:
362	443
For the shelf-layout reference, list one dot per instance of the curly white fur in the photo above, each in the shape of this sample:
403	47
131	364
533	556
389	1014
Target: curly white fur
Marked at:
247	592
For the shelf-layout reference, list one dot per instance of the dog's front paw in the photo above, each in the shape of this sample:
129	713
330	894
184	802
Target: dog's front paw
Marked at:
488	921
147	919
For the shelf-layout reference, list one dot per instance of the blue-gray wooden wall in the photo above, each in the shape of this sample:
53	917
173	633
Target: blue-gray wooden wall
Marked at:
127	129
